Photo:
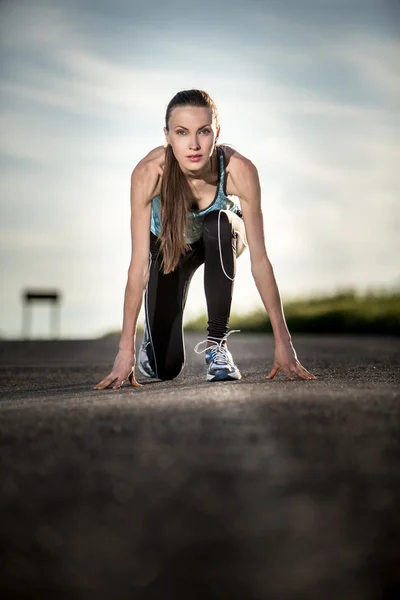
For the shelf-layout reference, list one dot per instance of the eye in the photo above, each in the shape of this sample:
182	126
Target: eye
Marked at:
179	131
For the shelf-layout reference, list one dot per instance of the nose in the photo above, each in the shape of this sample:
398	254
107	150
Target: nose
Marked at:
194	144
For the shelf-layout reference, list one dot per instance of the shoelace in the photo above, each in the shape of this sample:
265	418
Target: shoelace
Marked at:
218	351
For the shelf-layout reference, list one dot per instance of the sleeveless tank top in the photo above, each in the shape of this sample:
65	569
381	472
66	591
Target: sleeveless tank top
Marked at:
196	217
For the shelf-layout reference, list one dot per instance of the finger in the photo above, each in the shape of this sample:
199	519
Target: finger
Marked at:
310	375
304	374
289	374
133	381
300	372
104	383
273	372
118	384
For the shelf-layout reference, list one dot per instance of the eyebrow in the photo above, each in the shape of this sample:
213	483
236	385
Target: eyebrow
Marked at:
182	127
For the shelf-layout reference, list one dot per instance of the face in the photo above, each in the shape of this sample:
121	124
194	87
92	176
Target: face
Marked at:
192	131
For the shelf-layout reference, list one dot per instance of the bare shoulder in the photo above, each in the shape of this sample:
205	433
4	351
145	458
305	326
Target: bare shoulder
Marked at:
154	160
148	172
240	171
154	156
235	160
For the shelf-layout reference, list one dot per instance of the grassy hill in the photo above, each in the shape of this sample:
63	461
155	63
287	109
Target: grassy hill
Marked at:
374	312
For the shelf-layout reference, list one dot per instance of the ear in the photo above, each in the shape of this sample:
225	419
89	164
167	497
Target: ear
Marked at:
166	136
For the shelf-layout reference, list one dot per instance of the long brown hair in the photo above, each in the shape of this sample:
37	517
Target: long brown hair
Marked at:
176	196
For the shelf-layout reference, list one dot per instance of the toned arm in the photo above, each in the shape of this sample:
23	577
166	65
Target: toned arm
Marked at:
143	183
246	181
142	186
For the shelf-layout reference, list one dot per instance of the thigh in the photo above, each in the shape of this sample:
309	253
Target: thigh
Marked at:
165	300
239	230
168	292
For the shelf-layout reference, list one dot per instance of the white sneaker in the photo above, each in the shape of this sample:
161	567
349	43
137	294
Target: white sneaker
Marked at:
219	360
143	359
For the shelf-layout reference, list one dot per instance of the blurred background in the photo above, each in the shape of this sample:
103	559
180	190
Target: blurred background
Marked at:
307	90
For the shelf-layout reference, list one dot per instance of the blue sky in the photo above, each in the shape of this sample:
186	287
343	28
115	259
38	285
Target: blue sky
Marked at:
308	90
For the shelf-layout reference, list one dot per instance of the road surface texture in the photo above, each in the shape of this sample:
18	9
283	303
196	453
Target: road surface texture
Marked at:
245	490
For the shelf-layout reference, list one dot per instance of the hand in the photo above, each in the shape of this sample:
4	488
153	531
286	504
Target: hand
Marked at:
286	359
124	366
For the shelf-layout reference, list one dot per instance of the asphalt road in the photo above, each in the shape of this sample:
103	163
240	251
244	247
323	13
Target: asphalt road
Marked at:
248	490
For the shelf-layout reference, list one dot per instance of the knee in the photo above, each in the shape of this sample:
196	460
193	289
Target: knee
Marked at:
216	225
166	373
169	366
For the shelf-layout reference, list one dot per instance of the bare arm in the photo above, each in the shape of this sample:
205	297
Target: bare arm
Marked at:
138	269
245	179
143	180
248	185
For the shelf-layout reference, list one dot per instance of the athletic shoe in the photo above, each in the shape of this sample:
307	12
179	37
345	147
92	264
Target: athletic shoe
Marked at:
143	359
219	360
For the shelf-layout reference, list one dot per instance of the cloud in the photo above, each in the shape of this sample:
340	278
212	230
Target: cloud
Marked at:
374	60
315	109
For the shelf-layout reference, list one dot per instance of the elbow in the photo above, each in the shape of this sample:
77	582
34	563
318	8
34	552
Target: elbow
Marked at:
138	276
261	265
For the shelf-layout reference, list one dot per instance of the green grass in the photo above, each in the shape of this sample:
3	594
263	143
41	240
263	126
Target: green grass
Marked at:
346	311
374	312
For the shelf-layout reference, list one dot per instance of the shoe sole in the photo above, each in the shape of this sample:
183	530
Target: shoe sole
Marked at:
228	377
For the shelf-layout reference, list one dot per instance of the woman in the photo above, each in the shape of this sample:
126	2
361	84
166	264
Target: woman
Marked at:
184	212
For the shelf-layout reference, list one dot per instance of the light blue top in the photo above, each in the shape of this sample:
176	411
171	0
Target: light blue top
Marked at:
196	217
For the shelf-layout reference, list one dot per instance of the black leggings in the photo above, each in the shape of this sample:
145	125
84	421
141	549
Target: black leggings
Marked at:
223	240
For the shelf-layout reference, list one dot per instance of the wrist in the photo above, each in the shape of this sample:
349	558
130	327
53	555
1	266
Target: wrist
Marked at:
283	340
126	349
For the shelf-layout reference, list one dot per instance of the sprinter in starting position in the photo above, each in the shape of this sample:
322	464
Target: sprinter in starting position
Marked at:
185	211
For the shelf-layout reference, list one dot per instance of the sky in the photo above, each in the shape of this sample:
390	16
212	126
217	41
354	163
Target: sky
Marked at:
308	90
